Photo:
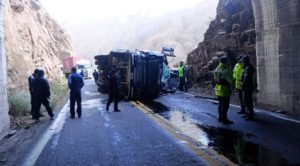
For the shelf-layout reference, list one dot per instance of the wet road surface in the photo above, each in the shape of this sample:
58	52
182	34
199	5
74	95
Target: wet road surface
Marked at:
265	141
128	137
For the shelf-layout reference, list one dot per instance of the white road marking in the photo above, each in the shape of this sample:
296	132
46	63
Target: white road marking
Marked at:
37	150
88	93
258	110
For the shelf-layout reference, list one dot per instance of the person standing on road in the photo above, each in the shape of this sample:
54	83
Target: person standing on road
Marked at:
41	91
223	82
96	76
30	83
81	73
249	85
181	75
113	81
75	83
237	77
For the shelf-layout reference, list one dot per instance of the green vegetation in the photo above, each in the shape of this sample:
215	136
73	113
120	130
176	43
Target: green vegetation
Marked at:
239	148
59	93
19	103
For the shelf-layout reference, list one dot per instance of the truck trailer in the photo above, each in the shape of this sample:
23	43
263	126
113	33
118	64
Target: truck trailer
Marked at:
140	72
82	65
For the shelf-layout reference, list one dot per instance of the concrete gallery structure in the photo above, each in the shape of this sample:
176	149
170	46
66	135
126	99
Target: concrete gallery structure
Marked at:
4	117
277	25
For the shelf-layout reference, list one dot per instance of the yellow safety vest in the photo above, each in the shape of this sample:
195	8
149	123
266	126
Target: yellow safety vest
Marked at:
223	72
237	74
180	71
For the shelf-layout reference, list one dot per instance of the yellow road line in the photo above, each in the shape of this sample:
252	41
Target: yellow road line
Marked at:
207	154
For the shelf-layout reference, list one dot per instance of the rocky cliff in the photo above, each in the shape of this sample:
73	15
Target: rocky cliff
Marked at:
231	31
32	40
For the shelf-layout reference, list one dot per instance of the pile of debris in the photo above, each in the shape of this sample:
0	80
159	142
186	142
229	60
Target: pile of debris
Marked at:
232	31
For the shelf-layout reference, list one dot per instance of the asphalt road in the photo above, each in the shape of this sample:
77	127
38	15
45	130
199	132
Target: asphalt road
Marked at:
128	137
172	130
266	141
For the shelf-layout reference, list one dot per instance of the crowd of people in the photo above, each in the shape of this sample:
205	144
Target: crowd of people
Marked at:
243	79
40	94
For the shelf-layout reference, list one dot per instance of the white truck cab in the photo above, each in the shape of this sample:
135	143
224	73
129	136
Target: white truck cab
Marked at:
84	67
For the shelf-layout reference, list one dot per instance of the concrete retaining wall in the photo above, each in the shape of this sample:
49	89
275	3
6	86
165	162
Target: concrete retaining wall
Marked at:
4	118
278	53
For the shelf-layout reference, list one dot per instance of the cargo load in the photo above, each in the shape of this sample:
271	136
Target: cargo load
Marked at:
140	72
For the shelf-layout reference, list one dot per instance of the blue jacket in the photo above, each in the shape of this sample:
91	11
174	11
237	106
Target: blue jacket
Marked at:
75	82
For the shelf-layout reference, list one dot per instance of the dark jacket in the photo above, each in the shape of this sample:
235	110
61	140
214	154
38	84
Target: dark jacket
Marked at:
95	75
30	84
249	78
113	82
75	82
41	88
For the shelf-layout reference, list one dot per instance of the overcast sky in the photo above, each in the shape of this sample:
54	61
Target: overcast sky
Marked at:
64	10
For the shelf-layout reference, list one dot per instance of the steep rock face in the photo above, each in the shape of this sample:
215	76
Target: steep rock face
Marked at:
232	31
32	40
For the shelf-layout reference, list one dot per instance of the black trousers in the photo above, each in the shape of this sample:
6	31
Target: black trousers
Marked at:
182	86
75	97
38	103
113	97
241	98
248	98
32	105
223	107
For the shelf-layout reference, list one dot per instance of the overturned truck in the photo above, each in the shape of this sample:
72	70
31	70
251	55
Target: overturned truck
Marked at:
140	72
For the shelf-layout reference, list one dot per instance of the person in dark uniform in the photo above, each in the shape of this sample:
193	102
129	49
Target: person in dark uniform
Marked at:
41	91
30	83
81	73
249	85
96	76
75	83
113	81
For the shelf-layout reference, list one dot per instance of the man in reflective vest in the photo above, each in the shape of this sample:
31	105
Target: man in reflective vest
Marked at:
223	82
181	76
237	77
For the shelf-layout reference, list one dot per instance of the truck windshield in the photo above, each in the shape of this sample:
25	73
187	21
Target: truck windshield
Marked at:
85	66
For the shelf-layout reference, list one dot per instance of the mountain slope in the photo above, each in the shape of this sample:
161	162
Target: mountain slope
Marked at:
181	30
33	39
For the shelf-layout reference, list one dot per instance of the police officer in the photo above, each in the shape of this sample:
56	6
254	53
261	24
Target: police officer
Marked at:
30	83
113	81
181	75
41	91
223	81
249	85
237	77
75	83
